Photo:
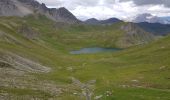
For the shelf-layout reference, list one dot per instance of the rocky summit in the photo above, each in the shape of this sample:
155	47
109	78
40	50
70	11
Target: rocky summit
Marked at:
30	7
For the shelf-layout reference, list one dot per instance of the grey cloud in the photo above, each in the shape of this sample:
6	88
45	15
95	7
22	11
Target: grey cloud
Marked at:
111	8
150	2
70	4
73	3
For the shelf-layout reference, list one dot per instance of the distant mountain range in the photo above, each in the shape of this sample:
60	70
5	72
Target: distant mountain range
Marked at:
94	21
146	17
152	25
21	8
155	28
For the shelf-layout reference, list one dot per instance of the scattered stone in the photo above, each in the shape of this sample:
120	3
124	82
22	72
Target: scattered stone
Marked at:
163	47
87	89
98	97
108	93
124	86
75	93
69	69
163	67
135	80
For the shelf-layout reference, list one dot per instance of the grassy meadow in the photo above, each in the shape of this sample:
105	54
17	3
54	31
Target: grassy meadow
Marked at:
136	73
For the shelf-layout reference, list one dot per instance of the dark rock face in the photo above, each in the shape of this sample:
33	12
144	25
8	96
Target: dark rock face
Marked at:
7	8
26	7
134	35
30	2
134	30
62	14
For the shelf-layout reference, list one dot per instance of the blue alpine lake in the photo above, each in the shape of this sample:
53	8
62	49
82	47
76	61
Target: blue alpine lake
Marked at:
93	50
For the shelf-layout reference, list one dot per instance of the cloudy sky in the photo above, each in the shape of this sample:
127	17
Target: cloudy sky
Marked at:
103	9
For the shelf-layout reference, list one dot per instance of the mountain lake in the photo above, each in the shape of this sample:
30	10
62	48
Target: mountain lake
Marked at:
94	50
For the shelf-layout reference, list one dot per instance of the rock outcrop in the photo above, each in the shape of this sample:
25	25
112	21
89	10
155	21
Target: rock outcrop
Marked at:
134	35
20	63
13	8
62	14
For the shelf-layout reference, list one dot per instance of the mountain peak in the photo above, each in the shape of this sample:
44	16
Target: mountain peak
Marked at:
62	9
26	7
92	19
64	15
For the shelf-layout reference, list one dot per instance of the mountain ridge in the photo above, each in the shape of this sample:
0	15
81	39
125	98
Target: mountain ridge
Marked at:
155	28
94	21
27	7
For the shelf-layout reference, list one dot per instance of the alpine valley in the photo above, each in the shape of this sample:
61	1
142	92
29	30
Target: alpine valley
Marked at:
36	63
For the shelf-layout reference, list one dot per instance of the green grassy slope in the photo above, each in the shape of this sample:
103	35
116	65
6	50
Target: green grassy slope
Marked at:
136	73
